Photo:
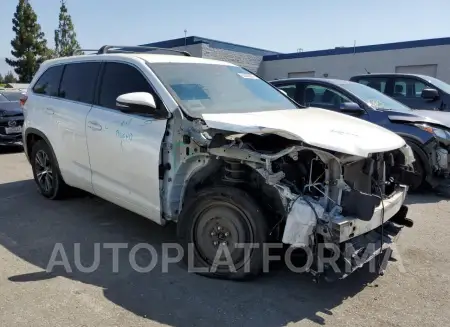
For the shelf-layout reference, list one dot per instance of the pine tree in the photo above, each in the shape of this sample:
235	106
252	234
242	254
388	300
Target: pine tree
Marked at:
66	43
1	79
29	46
9	78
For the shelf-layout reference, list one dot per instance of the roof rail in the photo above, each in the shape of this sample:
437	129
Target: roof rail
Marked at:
137	48
80	51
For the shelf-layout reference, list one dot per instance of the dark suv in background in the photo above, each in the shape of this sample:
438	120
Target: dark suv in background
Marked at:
413	90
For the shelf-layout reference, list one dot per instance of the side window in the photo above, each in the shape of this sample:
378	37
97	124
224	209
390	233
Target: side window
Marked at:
48	83
408	88
377	83
78	81
324	97
290	89
119	79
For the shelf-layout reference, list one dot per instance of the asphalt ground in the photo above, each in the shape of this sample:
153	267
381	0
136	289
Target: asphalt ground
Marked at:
415	290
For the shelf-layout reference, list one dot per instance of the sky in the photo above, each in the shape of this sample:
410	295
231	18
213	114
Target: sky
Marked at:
282	26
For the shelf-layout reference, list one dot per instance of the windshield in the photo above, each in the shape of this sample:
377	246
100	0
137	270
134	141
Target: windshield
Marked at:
374	98
214	88
438	83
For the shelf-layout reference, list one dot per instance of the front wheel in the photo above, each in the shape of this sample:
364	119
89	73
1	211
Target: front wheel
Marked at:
419	170
222	231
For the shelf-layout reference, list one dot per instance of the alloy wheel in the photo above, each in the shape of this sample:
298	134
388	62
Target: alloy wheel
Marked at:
44	171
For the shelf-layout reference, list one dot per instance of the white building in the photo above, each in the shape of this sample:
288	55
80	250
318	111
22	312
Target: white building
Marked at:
244	56
428	57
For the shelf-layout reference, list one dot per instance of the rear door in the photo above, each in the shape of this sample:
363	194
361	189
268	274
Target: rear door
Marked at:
75	99
124	149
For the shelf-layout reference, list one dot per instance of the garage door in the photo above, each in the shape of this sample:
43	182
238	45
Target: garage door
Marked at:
429	70
302	74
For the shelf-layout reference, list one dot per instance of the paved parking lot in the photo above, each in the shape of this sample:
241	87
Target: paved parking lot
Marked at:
29	296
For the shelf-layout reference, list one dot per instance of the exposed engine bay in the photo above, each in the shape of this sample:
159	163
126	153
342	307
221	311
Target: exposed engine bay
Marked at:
331	179
313	195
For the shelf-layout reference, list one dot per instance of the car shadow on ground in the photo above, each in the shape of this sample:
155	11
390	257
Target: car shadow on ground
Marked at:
30	226
10	149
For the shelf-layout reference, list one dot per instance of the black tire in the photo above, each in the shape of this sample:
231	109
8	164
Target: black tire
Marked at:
46	172
223	214
419	169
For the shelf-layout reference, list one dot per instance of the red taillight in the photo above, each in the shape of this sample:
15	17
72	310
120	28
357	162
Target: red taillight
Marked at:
23	99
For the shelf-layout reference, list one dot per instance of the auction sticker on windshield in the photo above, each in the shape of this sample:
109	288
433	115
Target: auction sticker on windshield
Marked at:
195	105
374	103
248	76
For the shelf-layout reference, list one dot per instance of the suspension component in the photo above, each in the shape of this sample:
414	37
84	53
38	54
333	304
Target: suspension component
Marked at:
234	171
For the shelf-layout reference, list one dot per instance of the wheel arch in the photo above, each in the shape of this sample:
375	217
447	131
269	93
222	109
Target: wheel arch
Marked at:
255	186
32	135
423	156
418	149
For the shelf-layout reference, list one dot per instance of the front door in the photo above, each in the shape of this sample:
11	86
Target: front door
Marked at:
124	149
409	92
327	97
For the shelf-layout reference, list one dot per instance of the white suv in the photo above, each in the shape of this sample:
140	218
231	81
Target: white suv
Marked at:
216	149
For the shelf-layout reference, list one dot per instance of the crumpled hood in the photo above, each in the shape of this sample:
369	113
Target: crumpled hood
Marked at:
412	117
439	117
317	127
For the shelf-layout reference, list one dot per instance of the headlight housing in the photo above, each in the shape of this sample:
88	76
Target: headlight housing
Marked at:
438	132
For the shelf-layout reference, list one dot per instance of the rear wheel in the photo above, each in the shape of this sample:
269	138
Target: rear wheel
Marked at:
46	172
210	227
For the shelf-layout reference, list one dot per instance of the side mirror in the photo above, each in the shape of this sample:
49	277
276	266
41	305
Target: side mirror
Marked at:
136	102
430	94
351	108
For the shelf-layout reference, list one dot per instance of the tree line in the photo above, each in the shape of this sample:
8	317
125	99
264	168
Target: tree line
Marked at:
29	46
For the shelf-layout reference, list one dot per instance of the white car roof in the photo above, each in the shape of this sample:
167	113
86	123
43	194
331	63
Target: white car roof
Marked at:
150	58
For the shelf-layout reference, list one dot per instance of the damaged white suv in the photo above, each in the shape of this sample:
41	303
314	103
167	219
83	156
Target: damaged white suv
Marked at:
216	149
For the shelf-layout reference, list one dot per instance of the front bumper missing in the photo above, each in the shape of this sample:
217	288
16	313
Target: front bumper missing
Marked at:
345	228
366	249
354	241
443	160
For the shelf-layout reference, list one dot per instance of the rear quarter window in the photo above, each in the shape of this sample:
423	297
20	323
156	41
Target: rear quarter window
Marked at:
48	83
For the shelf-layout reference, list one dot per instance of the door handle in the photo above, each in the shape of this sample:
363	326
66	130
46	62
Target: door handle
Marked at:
49	111
94	126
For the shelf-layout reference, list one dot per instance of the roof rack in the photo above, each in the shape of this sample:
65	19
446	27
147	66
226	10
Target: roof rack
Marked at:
78	51
135	49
